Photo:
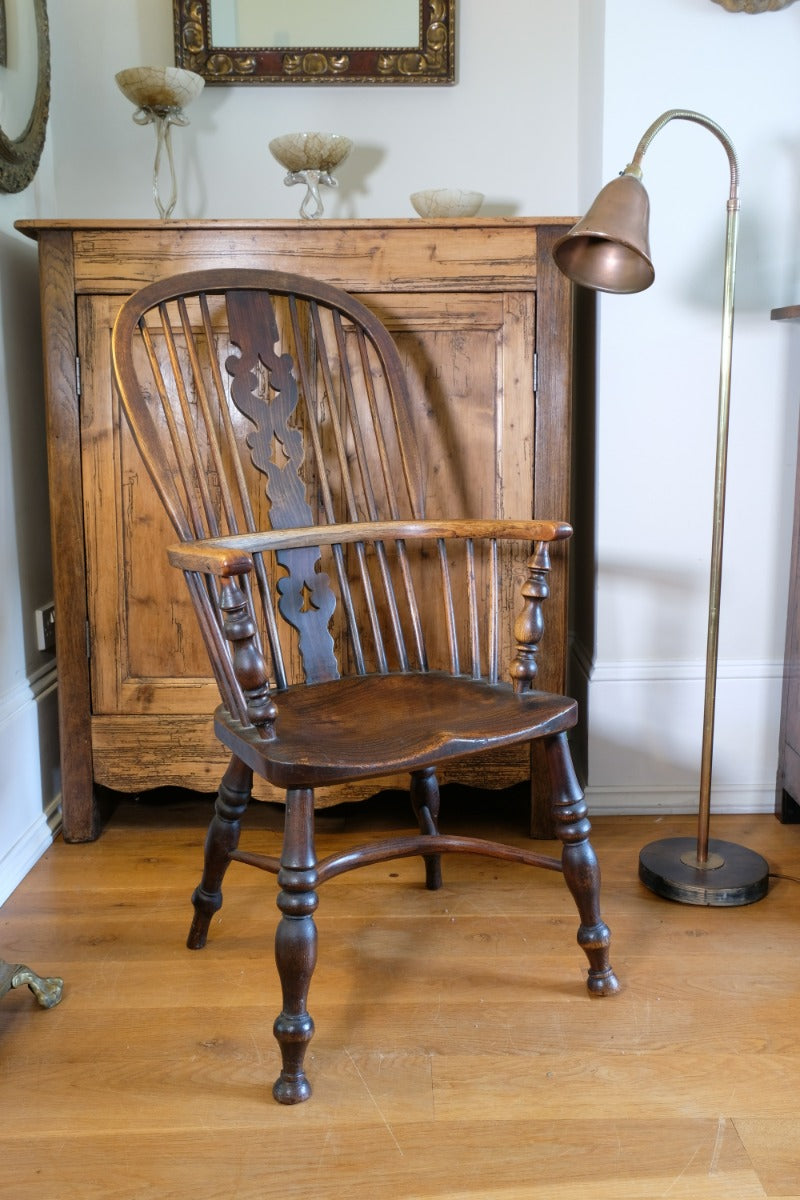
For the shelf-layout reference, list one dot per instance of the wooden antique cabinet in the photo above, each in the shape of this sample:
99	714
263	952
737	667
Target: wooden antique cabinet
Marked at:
484	323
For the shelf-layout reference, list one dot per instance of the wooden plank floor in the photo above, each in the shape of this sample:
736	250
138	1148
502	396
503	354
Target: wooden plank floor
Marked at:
457	1052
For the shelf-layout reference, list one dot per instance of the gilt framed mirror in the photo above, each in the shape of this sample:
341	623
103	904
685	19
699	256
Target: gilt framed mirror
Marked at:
316	41
25	49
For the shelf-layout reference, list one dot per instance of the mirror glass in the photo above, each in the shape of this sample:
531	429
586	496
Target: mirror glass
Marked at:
317	41
311	23
18	84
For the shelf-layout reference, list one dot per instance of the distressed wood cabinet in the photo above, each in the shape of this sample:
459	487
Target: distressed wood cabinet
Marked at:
484	322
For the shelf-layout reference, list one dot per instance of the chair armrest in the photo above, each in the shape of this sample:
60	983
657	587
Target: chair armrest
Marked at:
232	554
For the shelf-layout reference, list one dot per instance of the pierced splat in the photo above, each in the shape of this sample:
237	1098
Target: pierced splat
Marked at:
277	450
307	604
279	457
254	330
307	599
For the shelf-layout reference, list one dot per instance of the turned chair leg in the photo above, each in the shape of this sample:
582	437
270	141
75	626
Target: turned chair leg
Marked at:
221	840
581	870
296	944
425	802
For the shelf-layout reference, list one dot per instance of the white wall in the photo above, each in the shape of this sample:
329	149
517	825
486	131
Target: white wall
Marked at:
29	780
551	98
507	128
657	400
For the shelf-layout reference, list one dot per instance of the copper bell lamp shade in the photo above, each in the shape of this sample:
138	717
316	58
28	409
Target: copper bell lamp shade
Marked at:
609	251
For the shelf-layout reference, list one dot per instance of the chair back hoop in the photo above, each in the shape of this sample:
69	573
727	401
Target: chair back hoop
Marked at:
260	400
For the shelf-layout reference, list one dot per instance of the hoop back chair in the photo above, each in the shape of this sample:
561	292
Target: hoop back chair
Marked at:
272	414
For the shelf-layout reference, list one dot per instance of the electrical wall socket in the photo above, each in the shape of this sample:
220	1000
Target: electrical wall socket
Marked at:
46	627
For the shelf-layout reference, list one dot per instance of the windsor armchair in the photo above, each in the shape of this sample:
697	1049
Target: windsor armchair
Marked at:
272	414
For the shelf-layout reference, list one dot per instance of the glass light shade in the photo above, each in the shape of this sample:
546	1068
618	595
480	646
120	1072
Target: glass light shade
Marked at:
310	151
159	88
160	95
310	158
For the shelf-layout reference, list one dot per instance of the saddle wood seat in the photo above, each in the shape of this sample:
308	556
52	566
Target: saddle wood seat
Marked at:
421	717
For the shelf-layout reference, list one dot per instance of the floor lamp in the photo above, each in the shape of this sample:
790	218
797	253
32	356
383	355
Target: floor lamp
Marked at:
608	251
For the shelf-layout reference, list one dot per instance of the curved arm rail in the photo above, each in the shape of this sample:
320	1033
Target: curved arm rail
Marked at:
232	554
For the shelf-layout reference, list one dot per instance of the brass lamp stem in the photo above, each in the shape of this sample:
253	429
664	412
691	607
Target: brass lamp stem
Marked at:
720	472
608	250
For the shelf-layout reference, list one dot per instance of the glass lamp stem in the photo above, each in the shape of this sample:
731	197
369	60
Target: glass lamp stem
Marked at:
164	142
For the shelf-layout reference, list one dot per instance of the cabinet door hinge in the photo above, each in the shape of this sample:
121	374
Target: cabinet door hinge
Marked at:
535	371
77	374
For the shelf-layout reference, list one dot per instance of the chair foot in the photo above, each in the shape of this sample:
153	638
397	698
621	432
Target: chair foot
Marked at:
433	872
293	1035
205	906
291	1091
425	802
602	983
595	943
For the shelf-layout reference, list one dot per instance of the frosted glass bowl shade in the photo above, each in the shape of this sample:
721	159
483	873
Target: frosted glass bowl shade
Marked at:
159	87
446	202
310	151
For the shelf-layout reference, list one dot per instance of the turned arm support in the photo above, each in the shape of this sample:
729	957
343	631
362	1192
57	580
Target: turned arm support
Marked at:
249	664
529	625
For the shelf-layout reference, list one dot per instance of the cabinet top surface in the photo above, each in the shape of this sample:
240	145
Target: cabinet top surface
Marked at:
33	227
466	254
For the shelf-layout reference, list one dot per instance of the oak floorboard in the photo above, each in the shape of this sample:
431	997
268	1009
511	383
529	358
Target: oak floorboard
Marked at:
773	1150
692	1160
457	1054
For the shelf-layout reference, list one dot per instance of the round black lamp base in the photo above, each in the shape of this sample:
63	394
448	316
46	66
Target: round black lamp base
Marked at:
732	875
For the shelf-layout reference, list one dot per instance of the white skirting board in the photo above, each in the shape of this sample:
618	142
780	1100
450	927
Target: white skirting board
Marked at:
30	789
641	729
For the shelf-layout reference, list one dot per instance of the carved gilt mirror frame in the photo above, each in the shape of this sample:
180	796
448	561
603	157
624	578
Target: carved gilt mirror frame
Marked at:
430	61
19	157
754	6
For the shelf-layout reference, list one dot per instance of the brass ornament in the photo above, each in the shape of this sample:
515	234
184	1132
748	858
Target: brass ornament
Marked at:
46	990
314	65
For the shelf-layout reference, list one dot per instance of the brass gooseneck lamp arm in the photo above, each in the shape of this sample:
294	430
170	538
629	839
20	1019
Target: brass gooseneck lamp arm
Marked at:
608	250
